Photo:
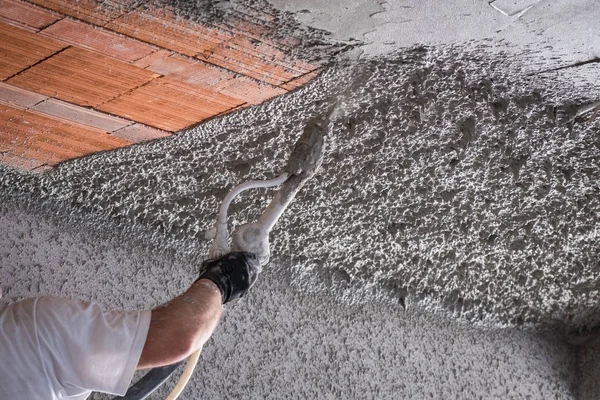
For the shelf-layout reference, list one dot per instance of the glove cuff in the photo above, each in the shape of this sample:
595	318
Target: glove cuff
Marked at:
233	274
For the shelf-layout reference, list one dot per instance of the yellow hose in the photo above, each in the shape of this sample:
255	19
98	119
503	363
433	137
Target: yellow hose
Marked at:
185	377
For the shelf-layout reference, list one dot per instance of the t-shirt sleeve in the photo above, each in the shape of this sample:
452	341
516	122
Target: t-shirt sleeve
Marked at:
87	348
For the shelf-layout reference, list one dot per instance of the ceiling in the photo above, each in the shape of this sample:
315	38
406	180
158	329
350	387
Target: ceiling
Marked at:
460	183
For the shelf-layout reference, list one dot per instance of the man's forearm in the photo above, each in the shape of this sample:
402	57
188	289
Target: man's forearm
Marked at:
182	326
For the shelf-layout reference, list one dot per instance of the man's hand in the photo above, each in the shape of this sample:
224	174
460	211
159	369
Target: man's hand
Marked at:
233	273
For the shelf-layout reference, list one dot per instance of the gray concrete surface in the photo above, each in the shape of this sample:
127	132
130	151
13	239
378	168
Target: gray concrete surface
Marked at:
459	195
564	29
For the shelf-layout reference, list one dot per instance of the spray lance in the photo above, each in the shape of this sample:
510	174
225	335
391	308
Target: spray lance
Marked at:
304	161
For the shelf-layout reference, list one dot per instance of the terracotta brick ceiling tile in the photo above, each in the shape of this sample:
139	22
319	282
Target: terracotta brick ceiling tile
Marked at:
254	59
269	53
81	115
17	96
16	24
140	133
246	65
251	91
87	10
27	14
301	81
162	28
98	39
197	73
151	58
20	49
82	77
157	72
166	104
19	162
190	70
35	137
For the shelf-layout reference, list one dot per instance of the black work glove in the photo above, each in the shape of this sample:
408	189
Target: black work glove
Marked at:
233	273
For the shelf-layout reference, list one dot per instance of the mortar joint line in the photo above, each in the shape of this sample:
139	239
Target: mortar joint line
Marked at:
130	90
300	76
51	23
40	166
212	117
37	63
230	109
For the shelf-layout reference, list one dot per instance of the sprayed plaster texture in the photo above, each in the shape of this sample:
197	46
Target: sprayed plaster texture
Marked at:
279	342
451	183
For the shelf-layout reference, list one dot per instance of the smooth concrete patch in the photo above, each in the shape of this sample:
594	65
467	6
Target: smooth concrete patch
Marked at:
565	29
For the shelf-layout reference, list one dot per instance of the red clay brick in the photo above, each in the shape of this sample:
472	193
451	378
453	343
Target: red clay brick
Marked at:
301	81
20	49
16	24
98	39
46	140
162	28
87	10
160	54
140	133
242	56
234	109
81	115
190	71
82	77
251	91
268	51
195	72
14	95
19	162
27	14
170	105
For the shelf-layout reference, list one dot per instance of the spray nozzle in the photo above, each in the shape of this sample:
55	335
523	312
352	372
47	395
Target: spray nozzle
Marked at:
305	160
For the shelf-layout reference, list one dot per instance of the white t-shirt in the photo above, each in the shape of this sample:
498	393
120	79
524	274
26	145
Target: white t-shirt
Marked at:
53	348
